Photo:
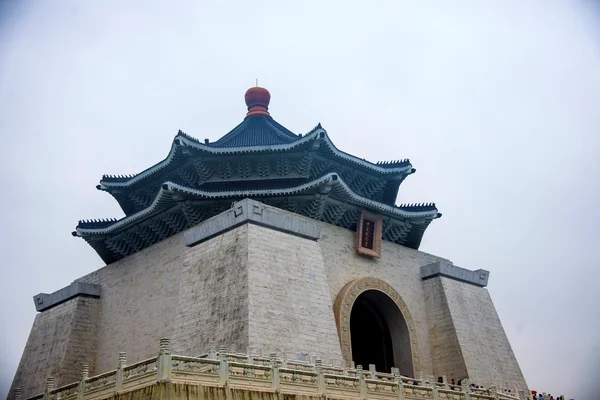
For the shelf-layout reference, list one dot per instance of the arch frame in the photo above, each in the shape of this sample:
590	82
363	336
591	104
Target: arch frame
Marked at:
343	307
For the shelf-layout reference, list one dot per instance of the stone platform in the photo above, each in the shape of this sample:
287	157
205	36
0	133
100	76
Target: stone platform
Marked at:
224	375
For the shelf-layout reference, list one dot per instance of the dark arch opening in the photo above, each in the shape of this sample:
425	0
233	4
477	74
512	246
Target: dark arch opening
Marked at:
379	334
371	339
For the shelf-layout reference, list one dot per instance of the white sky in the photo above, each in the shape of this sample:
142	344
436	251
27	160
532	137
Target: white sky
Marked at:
495	103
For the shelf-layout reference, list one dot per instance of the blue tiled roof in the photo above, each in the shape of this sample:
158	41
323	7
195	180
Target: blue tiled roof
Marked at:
256	131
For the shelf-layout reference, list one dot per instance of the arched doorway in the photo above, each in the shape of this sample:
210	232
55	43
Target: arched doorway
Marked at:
370	334
375	327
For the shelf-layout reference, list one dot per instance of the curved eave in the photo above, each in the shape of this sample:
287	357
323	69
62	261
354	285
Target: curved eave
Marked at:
341	189
405	169
182	140
120	181
330	182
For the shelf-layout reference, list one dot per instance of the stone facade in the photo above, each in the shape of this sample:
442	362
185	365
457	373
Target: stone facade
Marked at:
445	348
399	266
264	285
61	340
485	349
212	309
137	304
290	305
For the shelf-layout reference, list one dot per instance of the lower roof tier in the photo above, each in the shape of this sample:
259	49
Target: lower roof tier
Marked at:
177	207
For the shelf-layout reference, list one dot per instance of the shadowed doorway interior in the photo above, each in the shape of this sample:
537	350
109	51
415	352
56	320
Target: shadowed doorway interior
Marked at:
379	334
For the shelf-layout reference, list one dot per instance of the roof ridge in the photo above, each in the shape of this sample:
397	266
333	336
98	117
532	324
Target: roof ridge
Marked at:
185	135
282	129
256	131
96	223
393	163
417	206
229	135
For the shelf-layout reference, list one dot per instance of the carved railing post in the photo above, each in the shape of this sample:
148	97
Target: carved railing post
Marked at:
494	392
18	394
212	354
396	373
85	373
119	374
372	371
223	366
466	388
164	361
361	382
445	381
275	372
49	387
430	381
320	376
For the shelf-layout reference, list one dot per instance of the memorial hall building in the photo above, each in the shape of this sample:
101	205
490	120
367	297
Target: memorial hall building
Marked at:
273	264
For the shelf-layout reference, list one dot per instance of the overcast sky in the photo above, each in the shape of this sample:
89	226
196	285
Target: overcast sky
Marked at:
495	103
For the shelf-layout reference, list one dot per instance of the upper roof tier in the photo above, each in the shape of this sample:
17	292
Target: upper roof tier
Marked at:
258	149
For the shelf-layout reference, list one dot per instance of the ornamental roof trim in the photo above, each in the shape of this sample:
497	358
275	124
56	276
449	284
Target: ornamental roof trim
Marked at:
402	167
331	180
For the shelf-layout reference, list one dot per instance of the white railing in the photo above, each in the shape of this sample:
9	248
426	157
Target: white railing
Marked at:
257	373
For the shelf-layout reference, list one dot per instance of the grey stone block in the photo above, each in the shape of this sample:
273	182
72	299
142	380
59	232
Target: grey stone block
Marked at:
440	268
250	211
44	301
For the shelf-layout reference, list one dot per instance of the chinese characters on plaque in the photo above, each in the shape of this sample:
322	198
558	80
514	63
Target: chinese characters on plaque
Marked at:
368	234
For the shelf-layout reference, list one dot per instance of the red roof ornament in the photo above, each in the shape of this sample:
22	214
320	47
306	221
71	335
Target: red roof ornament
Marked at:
257	101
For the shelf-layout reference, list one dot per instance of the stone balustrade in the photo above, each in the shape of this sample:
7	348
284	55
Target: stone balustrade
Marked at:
263	374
